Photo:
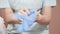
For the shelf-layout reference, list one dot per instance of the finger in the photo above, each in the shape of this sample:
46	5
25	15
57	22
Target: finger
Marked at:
26	10
37	13
22	12
20	19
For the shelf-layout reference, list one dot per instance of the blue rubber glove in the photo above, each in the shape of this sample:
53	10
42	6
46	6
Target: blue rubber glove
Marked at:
28	20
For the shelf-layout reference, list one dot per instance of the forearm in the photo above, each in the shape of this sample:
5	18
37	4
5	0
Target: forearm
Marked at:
45	17
9	17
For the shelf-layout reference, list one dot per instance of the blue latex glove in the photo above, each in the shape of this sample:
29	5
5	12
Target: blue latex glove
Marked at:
28	20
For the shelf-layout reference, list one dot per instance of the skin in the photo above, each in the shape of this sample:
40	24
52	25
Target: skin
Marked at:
23	11
9	18
43	18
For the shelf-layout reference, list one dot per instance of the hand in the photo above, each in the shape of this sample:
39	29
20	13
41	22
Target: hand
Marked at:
38	16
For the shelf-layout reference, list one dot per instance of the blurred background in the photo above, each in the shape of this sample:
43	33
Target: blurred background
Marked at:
54	26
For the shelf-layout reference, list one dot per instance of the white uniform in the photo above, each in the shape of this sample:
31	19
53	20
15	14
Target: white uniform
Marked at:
4	4
30	4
